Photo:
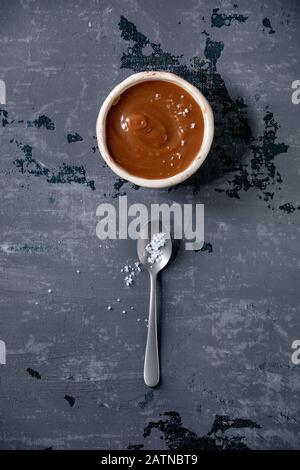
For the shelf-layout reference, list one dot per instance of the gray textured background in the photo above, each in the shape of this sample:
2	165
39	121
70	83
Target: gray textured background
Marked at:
73	377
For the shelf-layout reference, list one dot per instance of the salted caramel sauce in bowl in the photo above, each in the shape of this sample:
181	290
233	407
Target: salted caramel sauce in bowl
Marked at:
155	129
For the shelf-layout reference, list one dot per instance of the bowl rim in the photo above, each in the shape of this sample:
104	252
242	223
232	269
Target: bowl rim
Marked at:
207	136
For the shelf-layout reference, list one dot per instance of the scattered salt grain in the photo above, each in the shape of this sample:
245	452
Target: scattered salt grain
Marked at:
193	125
128	280
118	300
50	291
78	271
157	96
131	271
123	311
182	142
109	307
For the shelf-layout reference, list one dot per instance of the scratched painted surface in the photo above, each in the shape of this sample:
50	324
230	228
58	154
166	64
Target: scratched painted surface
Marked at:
230	311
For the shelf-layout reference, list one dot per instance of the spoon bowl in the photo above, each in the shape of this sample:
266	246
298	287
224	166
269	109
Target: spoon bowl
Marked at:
147	231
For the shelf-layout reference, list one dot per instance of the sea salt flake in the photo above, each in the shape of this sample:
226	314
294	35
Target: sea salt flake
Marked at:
192	125
158	240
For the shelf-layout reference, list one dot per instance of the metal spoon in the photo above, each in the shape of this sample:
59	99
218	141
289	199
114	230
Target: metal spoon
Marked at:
151	364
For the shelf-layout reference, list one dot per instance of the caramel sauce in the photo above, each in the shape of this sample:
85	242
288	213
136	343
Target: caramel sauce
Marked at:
154	130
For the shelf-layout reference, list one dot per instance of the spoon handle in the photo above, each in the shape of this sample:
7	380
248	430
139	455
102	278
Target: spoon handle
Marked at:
151	364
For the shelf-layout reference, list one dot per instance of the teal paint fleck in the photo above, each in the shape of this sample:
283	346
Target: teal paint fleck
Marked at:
177	437
206	247
118	184
29	164
4	117
33	373
213	51
26	248
65	173
221	19
288	208
42	121
267	24
136	59
261	172
74	138
71	400
71	174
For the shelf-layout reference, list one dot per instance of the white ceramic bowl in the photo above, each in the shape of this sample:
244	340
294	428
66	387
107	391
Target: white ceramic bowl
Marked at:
207	137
